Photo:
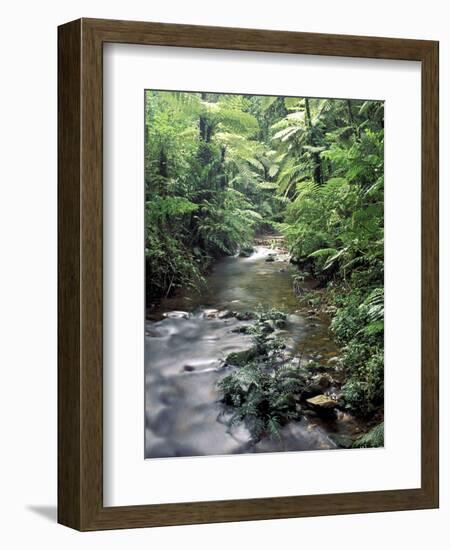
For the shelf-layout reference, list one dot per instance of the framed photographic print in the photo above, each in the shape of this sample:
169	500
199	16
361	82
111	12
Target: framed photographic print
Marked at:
248	274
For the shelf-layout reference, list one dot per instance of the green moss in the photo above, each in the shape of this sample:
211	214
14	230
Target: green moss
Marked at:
241	358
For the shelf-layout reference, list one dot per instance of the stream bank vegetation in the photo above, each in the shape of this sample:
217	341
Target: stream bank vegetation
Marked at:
221	170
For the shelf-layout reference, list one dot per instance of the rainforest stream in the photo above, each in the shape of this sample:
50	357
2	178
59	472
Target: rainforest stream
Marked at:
186	343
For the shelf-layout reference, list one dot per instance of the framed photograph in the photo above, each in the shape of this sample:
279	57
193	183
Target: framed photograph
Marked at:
248	274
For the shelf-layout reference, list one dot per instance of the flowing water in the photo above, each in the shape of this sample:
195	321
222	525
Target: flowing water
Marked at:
185	348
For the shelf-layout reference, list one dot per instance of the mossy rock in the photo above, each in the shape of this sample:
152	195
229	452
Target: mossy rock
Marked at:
225	314
342	441
245	316
272	315
268	326
311	390
241	358
246	251
176	315
323	405
243	329
321	402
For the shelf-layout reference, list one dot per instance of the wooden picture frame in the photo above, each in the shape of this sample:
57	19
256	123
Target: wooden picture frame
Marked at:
80	272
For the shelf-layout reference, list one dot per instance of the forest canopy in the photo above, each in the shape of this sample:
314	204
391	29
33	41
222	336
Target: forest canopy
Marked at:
220	167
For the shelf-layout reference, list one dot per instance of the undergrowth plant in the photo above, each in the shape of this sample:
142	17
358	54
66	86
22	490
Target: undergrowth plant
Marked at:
264	393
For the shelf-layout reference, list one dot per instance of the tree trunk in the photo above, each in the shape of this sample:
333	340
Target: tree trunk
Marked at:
317	170
205	134
352	119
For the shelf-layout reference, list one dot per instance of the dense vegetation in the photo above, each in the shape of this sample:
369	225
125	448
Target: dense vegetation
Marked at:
221	168
265	392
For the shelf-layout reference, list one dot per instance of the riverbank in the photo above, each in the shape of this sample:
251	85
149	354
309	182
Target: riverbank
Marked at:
356	319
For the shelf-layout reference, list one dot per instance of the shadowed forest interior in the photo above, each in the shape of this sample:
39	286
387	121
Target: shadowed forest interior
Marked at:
264	247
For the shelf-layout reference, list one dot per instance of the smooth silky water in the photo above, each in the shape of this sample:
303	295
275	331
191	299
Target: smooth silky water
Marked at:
185	360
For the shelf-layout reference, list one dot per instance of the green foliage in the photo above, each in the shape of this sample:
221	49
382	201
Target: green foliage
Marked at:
264	400
373	438
225	222
169	262
333	174
359	326
264	393
221	167
208	187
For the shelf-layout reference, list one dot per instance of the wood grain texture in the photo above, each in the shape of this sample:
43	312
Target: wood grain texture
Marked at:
430	273
80	328
69	246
